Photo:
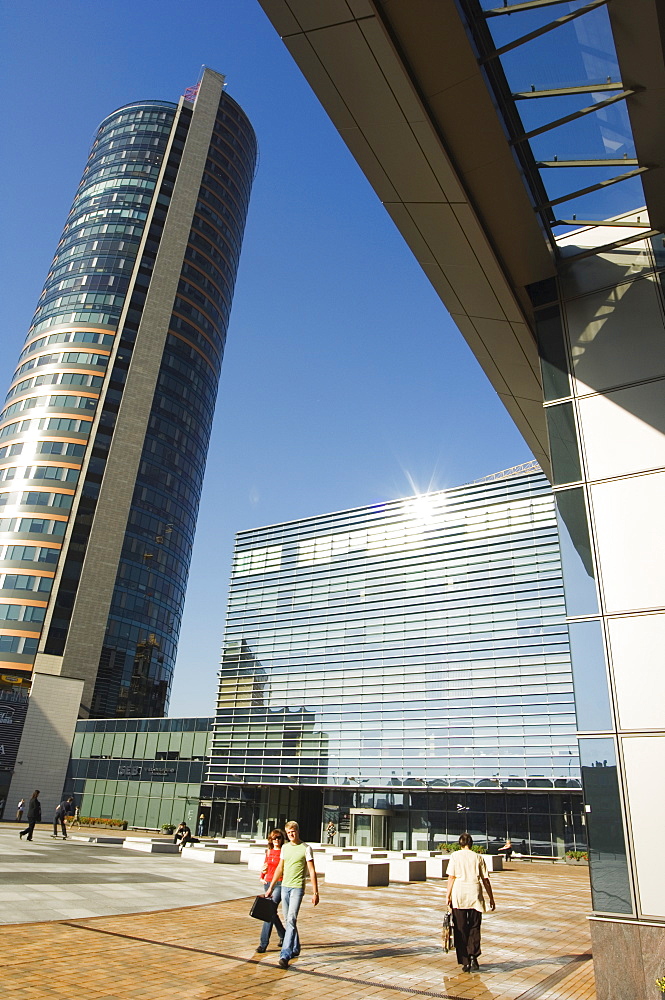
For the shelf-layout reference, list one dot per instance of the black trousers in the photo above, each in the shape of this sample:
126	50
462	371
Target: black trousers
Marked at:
467	934
61	821
29	829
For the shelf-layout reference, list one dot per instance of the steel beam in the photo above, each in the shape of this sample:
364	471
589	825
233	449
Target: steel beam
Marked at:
625	161
593	187
601	222
544	29
573	117
587	88
609	247
518	8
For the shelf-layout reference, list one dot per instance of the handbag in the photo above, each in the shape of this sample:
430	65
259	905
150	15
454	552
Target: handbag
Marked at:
264	908
448	932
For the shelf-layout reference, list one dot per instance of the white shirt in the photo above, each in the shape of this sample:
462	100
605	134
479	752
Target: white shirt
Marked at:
469	869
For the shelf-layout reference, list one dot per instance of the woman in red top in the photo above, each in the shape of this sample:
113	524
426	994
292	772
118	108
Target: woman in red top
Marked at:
275	840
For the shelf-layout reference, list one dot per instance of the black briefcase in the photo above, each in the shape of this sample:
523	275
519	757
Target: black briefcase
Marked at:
263	908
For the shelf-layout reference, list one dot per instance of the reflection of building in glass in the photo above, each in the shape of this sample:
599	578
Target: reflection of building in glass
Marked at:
104	435
273	740
415	645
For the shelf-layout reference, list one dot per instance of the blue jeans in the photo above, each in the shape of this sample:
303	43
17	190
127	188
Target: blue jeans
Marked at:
291	900
267	927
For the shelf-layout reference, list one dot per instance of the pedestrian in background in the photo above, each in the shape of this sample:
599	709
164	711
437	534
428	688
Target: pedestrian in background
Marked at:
19	810
34	816
62	811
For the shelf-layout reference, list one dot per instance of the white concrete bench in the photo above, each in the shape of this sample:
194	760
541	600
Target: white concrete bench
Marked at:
100	840
252	856
211	855
437	867
535	857
366	856
407	870
372	873
150	846
254	862
322	861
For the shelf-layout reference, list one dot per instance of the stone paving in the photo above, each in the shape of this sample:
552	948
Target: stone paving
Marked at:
369	944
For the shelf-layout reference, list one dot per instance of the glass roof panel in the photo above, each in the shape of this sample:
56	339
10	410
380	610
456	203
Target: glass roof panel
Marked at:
578	53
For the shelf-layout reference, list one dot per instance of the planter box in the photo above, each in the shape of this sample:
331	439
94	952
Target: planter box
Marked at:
577	861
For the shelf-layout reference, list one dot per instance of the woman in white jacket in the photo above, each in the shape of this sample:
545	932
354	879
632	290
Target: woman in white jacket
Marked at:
467	875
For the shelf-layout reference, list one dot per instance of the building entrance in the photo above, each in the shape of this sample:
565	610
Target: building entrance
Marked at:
369	827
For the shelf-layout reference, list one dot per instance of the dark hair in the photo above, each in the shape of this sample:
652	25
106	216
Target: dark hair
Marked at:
277	833
466	840
35	793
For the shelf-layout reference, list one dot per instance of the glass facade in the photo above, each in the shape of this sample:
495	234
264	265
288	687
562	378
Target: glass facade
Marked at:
45	426
393	651
147	772
601	319
62	410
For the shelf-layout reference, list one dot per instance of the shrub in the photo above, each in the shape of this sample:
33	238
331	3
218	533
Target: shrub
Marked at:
168	828
103	821
449	848
577	855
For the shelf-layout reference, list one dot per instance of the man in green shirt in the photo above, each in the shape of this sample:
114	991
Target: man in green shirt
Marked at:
296	860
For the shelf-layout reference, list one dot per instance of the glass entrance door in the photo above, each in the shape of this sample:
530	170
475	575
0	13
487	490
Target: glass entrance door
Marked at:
368	830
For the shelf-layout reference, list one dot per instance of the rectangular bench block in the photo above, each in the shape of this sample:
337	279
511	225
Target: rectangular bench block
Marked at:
494	862
436	867
252	856
407	870
254	862
372	873
211	856
322	861
100	840
148	847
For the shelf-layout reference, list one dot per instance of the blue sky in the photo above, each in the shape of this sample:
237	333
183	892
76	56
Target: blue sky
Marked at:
345	382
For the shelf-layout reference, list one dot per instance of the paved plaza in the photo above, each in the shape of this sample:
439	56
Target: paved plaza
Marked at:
103	923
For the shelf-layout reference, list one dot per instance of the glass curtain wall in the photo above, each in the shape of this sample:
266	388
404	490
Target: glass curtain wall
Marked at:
46	422
419	644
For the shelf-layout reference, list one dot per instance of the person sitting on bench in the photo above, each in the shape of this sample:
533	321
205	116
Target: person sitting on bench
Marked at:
507	849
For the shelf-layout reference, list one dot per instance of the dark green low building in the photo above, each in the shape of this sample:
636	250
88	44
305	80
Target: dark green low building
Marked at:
145	771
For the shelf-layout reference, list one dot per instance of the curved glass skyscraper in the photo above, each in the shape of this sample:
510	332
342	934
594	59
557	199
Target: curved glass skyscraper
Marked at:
105	430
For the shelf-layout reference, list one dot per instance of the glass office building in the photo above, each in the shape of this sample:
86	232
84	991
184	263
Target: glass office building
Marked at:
104	435
403	669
